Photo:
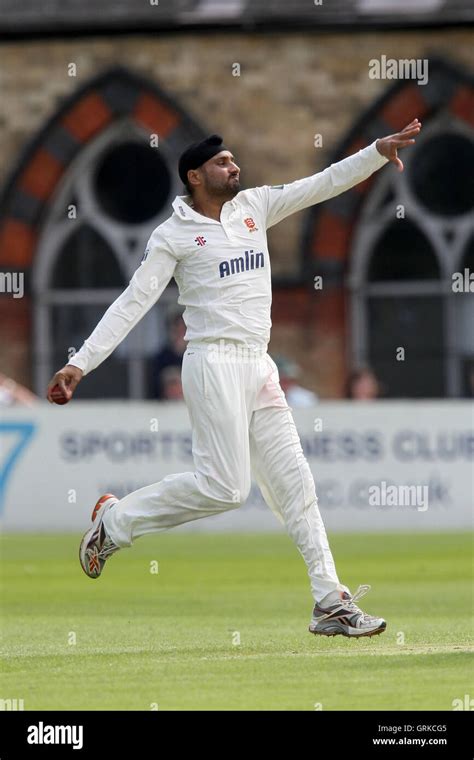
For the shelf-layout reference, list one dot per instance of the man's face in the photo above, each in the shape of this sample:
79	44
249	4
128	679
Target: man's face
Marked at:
220	175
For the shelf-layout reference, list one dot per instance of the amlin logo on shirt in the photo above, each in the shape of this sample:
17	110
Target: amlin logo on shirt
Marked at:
41	734
249	260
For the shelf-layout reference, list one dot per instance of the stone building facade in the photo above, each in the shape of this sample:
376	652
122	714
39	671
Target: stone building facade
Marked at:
288	104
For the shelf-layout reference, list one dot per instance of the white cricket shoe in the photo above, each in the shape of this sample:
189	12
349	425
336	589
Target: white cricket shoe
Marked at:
96	546
346	618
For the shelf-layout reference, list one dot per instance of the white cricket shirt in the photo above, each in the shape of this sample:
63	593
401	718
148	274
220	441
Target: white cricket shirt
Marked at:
222	269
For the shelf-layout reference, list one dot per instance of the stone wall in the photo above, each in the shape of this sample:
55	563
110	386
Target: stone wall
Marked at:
291	87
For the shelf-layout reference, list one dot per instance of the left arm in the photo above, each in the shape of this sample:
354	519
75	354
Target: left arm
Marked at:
282	200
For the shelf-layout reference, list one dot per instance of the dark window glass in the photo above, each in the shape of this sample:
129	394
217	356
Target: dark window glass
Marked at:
465	324
467	377
415	324
402	253
86	261
132	182
442	174
72	324
468	259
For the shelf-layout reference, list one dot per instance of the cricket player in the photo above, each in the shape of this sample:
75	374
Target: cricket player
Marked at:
215	246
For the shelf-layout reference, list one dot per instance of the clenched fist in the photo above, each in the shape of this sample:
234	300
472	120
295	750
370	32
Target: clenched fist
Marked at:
62	386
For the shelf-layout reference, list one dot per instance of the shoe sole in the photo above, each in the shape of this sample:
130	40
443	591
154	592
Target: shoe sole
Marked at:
96	512
376	632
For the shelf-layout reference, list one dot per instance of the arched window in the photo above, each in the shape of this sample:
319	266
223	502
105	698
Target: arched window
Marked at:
408	323
92	241
388	248
76	215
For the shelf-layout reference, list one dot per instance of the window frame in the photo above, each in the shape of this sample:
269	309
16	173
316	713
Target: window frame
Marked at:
78	183
374	219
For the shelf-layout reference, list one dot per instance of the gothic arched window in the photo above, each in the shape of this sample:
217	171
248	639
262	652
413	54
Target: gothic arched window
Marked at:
414	233
76	216
388	249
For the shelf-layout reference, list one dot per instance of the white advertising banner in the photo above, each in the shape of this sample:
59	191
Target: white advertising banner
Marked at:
378	466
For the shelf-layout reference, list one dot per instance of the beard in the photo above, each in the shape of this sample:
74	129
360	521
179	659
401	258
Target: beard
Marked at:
234	186
223	190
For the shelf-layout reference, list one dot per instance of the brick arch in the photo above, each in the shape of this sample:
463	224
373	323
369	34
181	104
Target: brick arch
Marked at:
93	108
330	227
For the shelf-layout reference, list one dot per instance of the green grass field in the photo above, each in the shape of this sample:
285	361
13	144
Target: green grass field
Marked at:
134	639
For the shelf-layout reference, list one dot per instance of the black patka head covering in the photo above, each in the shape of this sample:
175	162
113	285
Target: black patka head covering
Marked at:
198	153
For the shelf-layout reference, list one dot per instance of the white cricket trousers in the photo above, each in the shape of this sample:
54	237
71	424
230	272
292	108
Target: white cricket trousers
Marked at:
240	420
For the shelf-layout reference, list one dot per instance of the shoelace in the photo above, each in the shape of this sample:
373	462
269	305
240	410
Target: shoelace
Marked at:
108	548
349	605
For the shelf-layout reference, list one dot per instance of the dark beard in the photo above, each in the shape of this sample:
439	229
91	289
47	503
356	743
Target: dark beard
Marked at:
232	188
225	192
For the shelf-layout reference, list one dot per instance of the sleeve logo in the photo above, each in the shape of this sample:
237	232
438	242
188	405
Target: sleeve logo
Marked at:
251	224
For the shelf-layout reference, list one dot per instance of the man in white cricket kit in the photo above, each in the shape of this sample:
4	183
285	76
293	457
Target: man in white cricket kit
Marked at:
215	246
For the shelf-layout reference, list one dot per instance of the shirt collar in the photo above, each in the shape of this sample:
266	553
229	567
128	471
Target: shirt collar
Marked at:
185	211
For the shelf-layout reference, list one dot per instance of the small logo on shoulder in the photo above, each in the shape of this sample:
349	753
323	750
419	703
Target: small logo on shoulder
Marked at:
250	224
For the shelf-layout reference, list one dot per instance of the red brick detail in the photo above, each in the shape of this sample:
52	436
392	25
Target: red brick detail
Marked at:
330	310
403	107
87	117
17	244
462	104
41	174
332	236
153	115
15	316
290	305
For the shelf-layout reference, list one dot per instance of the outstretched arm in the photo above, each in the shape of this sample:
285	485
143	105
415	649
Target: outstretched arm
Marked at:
282	200
146	286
